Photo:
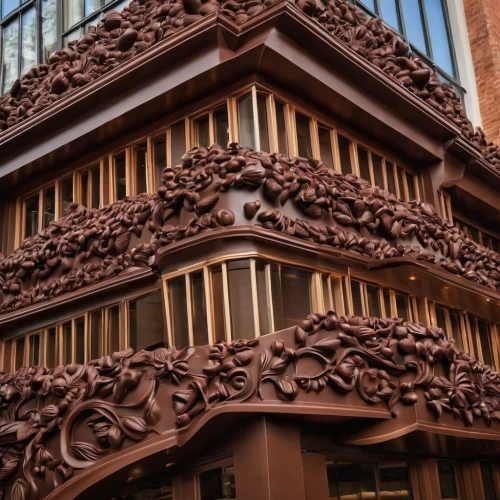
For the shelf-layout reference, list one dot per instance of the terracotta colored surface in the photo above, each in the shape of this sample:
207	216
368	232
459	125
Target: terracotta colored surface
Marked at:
59	421
215	188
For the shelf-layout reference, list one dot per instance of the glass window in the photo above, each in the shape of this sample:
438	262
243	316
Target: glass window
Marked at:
178	141
202	131
447	481
67	343
34	350
221	119
373	296
351	480
217	484
410	181
146	322
262	297
120	176
10	54
399	174
29	38
402	306
49	206
218	302
246	122
389	13
178	311
364	167
160	159
49	28
113	329
370	4
391	181
303	135
19	361
327	293
96	335
8	6
240	299
95	195
484	338
281	125
199	309
84	188
31	206
140	169
488	481
394	478
73	12
456	330
414	24
325	146
441	318
378	172
357	300
80	340
263	123
66	194
345	154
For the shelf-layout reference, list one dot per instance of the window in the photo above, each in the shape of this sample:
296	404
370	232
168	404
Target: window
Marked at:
66	195
19	354
146	322
488	477
477	233
217	484
424	24
364	299
348	480
89	181
447	481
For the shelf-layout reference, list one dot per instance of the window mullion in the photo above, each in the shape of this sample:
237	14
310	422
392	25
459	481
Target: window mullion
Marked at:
400	15
269	294
189	307
207	285
255	111
225	294
255	300
427	33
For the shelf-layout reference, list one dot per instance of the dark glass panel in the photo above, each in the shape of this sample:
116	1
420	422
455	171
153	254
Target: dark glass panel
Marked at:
95	194
473	233
113	330
447	481
34	346
140	168
395	482
202	131
303	135
246	121
29	40
80	340
67	341
146	322
364	167
402	306
51	347
240	299
178	311
410	181
32	207
120	177
221	119
484	338
389	13
296	292
391	182
351	480
374	308
218	484
277	297
441	318
455	328
96	335
414	24
262	297
378	170
345	154
357	300
281	125
10	53
218	303
178	141
66	195
263	122
84	188
488	482
401	184
199	309
19	353
325	146
327	296
49	206
160	154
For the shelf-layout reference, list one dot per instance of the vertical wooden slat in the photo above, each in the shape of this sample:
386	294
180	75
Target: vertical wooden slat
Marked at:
272	125
168	143
207	286
211	127
255	111
189	306
166	302
227	310
384	174
150	165
313	132
255	300
269	296
353	150
335	151
292	131
232	113
370	167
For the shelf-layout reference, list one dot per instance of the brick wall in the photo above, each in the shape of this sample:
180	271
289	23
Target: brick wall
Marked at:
483	24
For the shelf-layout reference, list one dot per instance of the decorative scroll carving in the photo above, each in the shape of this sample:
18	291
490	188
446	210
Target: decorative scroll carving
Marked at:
340	211
54	422
120	36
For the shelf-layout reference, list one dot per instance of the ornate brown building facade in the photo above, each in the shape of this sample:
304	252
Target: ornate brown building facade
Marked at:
190	191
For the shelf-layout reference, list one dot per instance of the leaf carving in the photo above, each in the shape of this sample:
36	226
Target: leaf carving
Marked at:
87	451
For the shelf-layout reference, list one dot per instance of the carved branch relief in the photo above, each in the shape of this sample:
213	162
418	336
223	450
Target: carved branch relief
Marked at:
56	422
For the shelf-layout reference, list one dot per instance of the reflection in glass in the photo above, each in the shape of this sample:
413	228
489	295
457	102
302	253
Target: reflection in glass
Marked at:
246	121
325	146
263	125
178	141
364	167
29	38
34	347
31	206
281	124
221	120
73	12
8	6
348	480
19	361
202	131
120	176
10	51
178	311
217	484
113	329
140	169
199	311
91	6
345	154
240	299
80	340
303	135
49	206
146	322
389	13
51	347
160	155
414	24
66	193
49	28
395	481
96	335
447	481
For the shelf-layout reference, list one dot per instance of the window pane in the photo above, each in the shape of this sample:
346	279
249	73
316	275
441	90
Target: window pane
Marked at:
394	478
96	335
221	126
80	340
277	297
73	35
120	176
401	184
73	12
160	154
92	6
456	330
263	124
51	348
364	168
410	181
473	233
146	322
484	338
357	301
49	28
113	330
378	170
296	291
389	13
349	480
140	169
246	122
372	293
199	309
488	482
447	481
281	125
84	188
178	141
370	4
10	51
34	344
9	6
414	24
218	303
325	146
19	353
441	318
178	311
49	206
391	182
240	299
218	484
262	296
67	341
345	154
31	222
29	38
327	293
402	306
440	41
66	193
303	135
202	131
95	194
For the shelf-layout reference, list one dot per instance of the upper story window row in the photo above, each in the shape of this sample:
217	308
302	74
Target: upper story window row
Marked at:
255	118
425	25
